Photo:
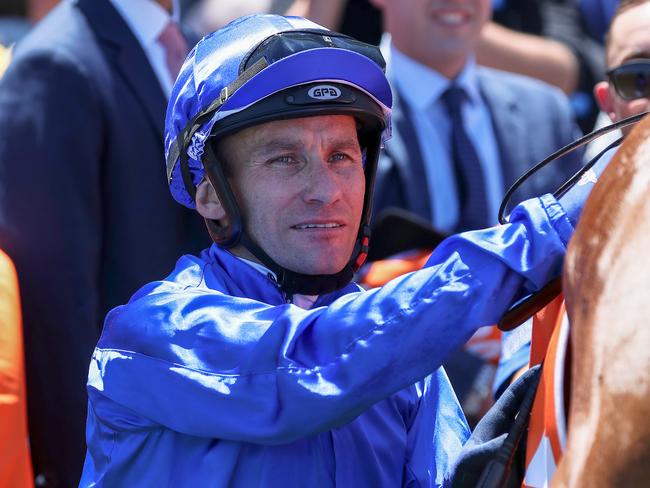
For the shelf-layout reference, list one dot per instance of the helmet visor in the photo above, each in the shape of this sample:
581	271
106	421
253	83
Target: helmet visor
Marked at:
283	44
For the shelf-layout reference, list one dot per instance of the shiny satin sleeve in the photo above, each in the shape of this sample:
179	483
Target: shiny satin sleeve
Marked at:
435	434
208	364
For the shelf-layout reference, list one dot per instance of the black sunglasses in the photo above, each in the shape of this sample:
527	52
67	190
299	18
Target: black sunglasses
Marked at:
631	80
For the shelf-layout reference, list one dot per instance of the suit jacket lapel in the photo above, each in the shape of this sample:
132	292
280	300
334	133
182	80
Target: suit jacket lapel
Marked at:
131	62
506	118
404	150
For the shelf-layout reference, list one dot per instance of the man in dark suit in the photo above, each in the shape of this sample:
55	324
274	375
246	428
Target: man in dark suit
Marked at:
510	121
462	134
84	207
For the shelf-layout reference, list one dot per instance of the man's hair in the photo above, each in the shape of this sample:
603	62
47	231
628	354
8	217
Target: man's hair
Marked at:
622	7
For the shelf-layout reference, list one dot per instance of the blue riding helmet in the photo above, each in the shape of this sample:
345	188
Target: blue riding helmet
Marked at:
261	68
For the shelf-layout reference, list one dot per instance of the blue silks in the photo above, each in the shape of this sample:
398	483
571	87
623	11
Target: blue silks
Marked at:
209	378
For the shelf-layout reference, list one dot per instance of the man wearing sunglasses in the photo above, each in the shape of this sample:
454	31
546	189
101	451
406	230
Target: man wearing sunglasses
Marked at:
626	91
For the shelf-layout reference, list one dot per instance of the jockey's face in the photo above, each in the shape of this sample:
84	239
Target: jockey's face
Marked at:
300	186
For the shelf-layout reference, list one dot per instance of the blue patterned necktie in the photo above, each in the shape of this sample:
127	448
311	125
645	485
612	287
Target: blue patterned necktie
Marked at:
470	181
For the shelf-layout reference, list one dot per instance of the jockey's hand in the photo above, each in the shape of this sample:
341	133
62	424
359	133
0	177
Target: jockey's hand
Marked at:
574	199
489	436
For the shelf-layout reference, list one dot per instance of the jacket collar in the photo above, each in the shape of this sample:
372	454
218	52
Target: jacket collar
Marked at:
247	281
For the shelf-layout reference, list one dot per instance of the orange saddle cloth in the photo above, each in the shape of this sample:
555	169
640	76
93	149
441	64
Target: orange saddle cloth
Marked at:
547	427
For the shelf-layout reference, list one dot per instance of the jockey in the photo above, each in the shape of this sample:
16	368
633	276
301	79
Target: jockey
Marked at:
259	362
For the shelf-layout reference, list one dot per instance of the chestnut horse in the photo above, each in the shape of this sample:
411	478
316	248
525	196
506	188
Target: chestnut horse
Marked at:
607	291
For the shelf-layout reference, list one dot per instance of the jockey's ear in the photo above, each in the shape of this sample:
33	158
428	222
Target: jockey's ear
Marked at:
207	202
603	94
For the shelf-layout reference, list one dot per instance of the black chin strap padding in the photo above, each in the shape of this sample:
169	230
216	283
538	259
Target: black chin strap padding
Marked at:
291	282
315	284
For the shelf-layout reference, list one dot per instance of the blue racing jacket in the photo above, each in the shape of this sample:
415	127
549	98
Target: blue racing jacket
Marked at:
210	378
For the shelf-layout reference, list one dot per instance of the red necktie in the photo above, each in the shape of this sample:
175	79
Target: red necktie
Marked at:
172	40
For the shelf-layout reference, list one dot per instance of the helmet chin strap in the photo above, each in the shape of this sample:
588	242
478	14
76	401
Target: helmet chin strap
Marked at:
292	282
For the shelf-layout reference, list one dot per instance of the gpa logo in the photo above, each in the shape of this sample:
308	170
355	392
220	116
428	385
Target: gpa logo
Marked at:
324	92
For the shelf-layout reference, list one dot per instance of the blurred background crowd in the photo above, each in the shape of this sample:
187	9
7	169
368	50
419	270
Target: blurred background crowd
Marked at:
483	90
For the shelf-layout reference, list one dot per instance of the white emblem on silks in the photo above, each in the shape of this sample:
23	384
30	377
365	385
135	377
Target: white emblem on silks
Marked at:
588	177
324	92
195	150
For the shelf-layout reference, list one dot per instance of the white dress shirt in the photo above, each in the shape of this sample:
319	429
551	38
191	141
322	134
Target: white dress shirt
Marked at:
147	19
421	89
